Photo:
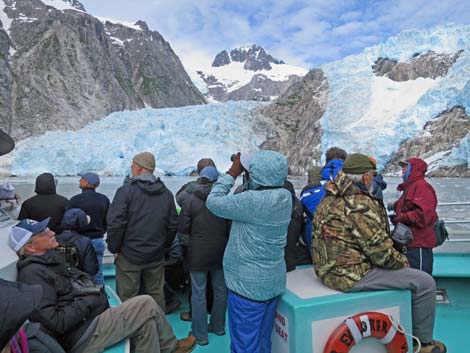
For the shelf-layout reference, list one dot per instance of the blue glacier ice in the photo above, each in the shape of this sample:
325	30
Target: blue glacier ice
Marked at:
350	93
177	136
180	136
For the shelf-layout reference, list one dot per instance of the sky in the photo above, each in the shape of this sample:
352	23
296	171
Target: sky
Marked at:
306	33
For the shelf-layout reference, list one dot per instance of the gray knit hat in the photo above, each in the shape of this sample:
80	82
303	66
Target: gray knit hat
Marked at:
145	160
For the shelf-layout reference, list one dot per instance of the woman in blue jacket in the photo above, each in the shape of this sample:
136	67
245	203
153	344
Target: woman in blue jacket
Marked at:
254	267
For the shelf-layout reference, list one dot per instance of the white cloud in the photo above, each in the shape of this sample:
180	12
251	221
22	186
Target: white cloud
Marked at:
302	32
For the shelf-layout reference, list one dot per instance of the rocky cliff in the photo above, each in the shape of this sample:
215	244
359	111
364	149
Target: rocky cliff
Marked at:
294	121
248	73
435	143
429	64
68	69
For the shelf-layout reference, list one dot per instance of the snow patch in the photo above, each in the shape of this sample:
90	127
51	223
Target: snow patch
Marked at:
6	21
234	76
121	22
60	5
392	112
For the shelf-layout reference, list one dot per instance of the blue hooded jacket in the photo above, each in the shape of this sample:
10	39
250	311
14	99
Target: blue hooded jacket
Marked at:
254	265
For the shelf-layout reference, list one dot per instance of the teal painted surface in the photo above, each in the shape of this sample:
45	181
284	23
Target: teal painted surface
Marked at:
300	313
453	319
452	272
451	265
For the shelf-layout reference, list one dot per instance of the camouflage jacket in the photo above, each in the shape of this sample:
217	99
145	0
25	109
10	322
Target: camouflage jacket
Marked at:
351	236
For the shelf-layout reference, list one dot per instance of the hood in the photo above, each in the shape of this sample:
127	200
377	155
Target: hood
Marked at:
74	219
418	171
343	186
17	302
268	168
148	183
331	169
45	184
202	191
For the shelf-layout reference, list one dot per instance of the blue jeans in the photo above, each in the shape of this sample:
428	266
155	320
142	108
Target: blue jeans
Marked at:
99	246
251	324
199	305
420	259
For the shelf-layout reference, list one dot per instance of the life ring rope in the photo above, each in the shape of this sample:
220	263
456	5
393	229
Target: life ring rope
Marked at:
369	324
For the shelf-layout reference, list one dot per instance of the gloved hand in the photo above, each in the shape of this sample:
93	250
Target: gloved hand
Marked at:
400	218
236	169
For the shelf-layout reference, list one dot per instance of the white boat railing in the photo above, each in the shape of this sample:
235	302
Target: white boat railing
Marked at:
460	221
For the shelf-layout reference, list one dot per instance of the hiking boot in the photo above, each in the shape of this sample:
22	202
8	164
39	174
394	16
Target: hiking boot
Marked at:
185	345
431	347
185	316
172	306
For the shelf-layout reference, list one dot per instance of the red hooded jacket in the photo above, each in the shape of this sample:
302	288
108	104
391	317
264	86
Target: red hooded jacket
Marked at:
416	207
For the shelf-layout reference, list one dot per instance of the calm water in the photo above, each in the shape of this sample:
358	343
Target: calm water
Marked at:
448	190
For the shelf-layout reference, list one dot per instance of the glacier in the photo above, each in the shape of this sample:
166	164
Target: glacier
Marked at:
365	113
178	137
353	93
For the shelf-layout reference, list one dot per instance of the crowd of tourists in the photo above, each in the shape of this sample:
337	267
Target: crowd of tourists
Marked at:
232	248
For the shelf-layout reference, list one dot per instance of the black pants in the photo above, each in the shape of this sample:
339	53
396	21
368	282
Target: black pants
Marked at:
420	259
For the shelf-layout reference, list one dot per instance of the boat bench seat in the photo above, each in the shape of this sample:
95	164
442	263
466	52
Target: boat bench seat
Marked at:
451	265
308	312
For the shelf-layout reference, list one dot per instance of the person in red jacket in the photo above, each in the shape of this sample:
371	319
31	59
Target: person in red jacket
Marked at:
416	208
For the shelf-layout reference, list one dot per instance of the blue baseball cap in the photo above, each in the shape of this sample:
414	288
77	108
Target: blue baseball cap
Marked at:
25	230
93	179
210	173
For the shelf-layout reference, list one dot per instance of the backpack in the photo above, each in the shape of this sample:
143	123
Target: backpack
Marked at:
69	252
310	199
32	339
441	232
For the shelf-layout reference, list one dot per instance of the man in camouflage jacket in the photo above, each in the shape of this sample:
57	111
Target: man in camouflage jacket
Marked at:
352	249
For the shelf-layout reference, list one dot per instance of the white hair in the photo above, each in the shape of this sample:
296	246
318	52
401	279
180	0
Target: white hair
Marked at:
357	178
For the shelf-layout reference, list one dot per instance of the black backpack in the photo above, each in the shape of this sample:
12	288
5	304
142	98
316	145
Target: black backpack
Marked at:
69	252
441	232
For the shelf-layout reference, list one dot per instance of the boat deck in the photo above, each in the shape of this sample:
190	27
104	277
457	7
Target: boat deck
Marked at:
452	312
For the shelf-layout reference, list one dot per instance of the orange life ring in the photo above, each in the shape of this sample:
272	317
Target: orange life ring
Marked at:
363	325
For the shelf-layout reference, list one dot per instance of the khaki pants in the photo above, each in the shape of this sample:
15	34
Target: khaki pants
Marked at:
139	319
131	278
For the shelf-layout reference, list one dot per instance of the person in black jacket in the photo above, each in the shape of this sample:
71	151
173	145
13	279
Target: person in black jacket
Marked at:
294	232
45	204
183	194
208	236
73	222
142	223
95	205
76	312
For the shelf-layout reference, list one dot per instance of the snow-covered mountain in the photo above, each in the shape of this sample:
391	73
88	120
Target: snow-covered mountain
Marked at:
61	68
408	96
247	73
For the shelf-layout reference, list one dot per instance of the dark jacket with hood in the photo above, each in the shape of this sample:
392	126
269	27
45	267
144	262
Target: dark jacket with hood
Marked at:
142	220
208	234
87	258
416	207
295	229
63	311
45	204
95	205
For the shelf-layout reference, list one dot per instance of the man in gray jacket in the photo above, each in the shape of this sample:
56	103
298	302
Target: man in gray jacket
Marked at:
142	222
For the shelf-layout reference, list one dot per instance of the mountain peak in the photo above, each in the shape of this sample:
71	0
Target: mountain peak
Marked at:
254	57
